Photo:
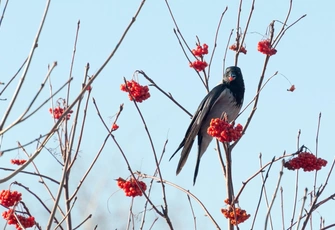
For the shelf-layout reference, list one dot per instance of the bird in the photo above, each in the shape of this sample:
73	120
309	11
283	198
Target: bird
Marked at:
224	99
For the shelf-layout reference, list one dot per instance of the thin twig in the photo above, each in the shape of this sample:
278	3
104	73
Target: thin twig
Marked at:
150	187
80	138
288	28
265	194
166	94
31	173
69	137
215	41
220	158
302	209
130	215
261	170
176	25
187	192
87	218
282	207
261	193
57	124
37	197
126	160
95	158
21	117
238	35
66	215
295	196
25	71
165	209
246	27
41	178
194	217
59	192
256	97
11	80
189	60
316	151
274	197
26	144
3	12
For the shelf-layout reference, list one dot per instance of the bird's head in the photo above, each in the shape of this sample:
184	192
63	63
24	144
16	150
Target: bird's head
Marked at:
233	73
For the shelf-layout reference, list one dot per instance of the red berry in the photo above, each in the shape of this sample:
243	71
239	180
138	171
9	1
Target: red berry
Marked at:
234	47
236	216
136	91
224	131
17	161
200	51
265	47
307	161
115	127
9	198
198	65
130	187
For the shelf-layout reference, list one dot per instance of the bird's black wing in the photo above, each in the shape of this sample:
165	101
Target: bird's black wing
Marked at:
205	106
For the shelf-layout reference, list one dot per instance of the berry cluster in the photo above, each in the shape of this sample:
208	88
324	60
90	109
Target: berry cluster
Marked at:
200	51
198	65
115	127
138	92
9	198
130	187
307	161
224	131
264	47
58	111
236	216
26	222
17	161
235	48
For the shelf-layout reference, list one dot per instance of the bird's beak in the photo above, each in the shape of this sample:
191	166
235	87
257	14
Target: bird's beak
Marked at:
232	77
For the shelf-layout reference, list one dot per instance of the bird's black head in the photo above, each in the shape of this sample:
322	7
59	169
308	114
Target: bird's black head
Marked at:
233	79
233	73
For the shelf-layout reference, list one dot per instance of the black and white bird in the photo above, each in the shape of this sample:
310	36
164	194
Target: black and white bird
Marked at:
227	97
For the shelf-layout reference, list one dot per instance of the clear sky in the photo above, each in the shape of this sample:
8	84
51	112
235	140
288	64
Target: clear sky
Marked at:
305	57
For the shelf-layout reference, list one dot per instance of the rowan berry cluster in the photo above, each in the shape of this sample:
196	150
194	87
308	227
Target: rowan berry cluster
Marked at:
200	50
58	111
138	92
9	198
198	65
307	161
19	220
265	47
17	161
235	48
224	131
130	187
236	216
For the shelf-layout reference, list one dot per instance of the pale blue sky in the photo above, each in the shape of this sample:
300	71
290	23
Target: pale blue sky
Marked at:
305	57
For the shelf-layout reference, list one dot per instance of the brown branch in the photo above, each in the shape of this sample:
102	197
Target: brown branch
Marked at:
185	191
215	42
161	90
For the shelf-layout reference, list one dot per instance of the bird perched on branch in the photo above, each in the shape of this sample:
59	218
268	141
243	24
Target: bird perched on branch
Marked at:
226	98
